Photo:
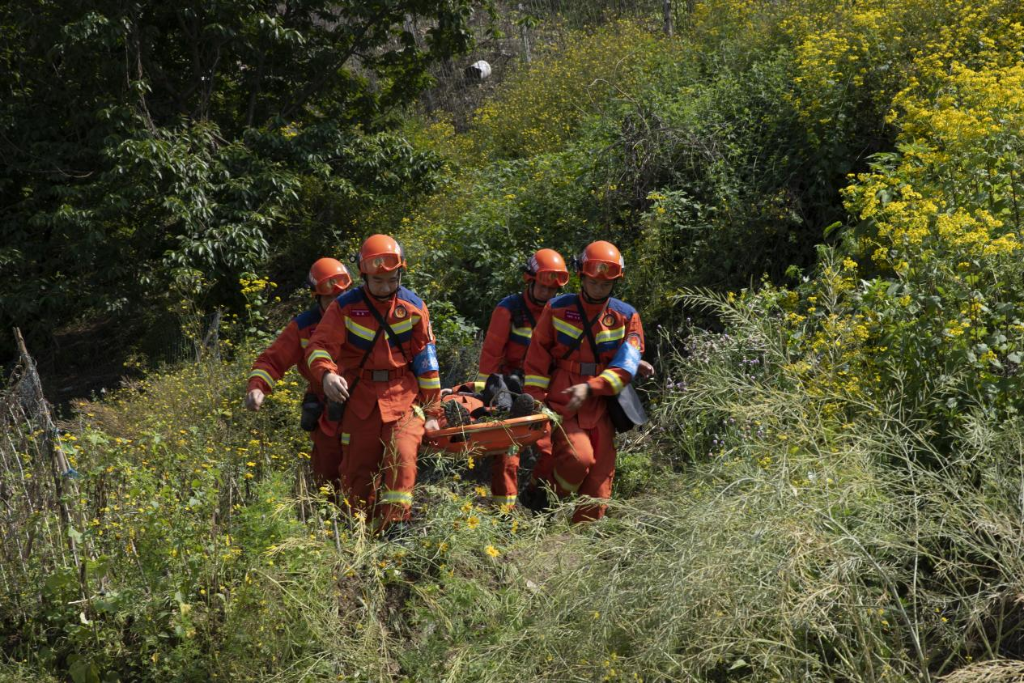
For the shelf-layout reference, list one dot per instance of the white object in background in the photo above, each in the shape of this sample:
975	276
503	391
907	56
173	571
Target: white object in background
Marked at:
478	70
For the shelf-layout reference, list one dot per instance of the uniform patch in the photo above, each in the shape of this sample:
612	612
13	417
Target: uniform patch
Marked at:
572	315
608	320
400	312
359	312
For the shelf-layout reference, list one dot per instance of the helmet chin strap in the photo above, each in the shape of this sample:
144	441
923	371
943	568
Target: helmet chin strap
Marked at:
529	293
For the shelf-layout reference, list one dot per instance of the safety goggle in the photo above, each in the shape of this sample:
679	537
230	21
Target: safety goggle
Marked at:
333	285
380	263
552	278
602	270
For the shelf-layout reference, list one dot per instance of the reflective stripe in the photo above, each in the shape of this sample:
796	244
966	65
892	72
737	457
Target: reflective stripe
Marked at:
565	328
503	500
521	336
405	325
358	330
396	497
345	438
304	343
263	375
538	381
319	353
613	379
481	378
429	382
564	484
610	335
479	386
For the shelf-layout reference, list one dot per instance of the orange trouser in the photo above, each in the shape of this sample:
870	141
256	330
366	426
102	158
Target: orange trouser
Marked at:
505	472
325	458
378	471
584	463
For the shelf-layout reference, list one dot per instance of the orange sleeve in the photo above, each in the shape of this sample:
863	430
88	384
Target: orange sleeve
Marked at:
622	368
493	352
424	364
537	366
276	360
325	344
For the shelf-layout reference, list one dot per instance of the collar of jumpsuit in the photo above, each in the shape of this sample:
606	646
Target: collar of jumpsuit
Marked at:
592	309
383	306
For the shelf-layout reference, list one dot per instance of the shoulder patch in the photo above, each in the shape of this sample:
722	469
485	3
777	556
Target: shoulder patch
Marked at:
563	301
308	318
621	307
349	297
410	296
510	302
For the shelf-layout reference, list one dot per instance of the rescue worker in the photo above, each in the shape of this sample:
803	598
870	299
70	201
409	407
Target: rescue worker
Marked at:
387	379
573	372
327	279
508	337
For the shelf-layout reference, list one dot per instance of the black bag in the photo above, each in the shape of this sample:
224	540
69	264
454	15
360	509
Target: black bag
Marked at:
625	409
311	410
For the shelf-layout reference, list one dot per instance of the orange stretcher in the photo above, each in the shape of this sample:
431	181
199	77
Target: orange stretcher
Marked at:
488	438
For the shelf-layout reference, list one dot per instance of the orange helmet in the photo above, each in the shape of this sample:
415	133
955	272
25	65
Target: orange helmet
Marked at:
601	261
547	267
328	276
380	254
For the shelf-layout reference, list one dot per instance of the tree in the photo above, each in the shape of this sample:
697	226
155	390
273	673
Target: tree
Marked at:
144	142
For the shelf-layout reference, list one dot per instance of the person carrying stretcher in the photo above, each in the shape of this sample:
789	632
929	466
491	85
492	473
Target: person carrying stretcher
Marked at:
504	349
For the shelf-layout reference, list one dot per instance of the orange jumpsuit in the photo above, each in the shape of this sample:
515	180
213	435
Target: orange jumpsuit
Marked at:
288	350
583	447
381	430
505	344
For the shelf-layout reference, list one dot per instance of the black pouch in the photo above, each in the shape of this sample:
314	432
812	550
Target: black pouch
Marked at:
625	410
335	410
311	410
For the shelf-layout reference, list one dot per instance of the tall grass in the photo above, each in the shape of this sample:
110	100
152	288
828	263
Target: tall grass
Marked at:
766	537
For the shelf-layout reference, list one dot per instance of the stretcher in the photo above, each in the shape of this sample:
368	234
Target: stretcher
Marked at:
488	438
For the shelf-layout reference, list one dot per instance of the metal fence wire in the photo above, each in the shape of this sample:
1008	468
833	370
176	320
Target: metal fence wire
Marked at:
39	499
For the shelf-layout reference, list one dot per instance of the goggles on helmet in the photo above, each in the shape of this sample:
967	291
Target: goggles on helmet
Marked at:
330	286
380	263
601	270
552	278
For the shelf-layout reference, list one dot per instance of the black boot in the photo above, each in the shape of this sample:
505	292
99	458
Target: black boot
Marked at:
523	406
535	498
455	414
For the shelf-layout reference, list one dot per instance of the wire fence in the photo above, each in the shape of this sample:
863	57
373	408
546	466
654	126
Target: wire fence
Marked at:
40	509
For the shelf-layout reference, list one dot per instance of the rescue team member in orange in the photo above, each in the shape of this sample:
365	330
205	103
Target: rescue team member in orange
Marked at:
562	371
327	278
387	380
508	337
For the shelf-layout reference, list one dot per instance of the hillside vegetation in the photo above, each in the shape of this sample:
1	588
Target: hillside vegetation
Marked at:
819	206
